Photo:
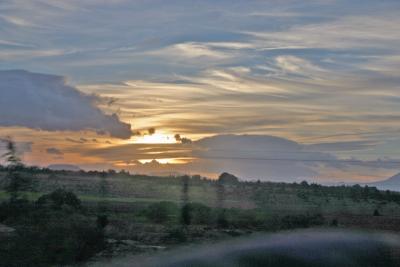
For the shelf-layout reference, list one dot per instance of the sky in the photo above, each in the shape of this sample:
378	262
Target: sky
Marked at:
283	90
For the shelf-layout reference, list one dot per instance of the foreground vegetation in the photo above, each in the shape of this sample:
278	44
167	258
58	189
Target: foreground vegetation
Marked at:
64	217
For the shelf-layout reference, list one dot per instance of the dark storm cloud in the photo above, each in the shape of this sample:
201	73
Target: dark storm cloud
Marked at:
46	102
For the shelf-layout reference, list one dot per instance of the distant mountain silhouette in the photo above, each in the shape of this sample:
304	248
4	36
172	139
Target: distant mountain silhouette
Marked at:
64	167
393	183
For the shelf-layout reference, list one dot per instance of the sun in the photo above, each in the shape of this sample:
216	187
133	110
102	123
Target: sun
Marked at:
156	138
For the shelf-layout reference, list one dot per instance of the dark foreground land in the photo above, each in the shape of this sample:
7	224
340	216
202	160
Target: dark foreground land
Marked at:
304	248
70	217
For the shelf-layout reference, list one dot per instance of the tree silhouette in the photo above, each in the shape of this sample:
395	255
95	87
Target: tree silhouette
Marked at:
186	216
220	191
14	181
103	192
102	218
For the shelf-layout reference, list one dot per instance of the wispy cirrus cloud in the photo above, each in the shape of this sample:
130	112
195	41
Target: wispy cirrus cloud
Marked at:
190	50
353	31
17	21
316	72
54	151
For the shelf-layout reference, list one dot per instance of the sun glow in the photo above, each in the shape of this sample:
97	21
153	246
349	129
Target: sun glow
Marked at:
156	138
168	160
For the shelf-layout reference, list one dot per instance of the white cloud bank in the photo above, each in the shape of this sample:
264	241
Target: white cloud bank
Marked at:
46	102
250	157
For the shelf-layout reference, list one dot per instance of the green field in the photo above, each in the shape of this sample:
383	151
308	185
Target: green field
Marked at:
122	188
144	213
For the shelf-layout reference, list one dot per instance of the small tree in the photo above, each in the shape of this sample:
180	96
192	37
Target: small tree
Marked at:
103	193
60	198
377	213
220	191
186	216
102	218
14	181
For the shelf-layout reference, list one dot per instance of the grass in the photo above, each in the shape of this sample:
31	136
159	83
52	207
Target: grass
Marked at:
32	196
124	190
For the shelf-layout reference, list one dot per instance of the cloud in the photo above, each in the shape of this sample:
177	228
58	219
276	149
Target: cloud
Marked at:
344	32
16	21
250	157
54	151
151	131
11	44
310	103
190	50
181	139
297	65
30	53
46	102
324	72
74	140
259	157
343	146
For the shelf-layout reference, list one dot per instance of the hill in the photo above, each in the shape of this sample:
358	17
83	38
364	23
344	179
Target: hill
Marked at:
393	183
64	167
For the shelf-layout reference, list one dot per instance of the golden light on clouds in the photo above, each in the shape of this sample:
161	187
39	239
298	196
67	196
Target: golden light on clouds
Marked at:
263	72
156	138
167	160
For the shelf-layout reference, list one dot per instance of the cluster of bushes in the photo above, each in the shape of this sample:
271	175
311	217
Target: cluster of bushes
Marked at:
198	214
170	212
301	221
305	190
54	230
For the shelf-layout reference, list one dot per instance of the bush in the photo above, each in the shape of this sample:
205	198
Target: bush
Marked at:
161	212
177	234
52	231
376	213
301	221
102	221
200	214
227	178
13	209
61	240
222	220
58	199
245	219
186	214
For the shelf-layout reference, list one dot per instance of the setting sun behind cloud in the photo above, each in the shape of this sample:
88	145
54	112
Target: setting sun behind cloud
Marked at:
156	138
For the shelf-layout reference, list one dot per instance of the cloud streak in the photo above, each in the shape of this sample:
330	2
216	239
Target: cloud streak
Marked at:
323	73
251	157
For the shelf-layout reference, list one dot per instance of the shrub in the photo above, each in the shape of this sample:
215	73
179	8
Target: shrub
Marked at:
222	220
102	221
15	208
227	178
377	213
56	240
245	219
53	231
161	212
177	234
301	221
200	214
186	214
58	199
